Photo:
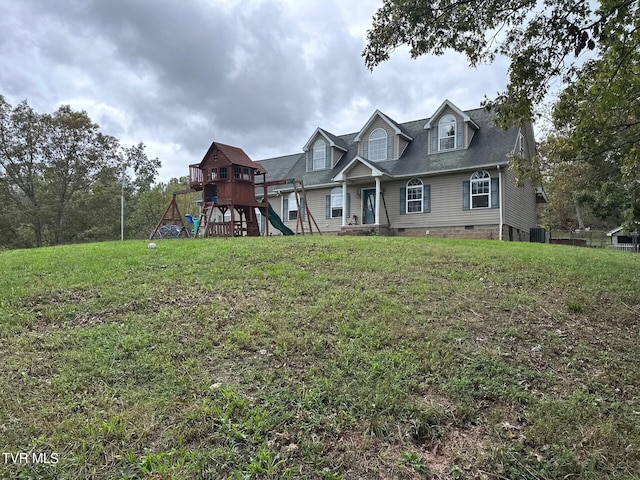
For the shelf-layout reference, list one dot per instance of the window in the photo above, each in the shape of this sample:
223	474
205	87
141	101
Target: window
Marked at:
480	189
236	172
447	133
414	196
336	202
319	155
245	174
377	145
223	172
291	206
213	174
520	150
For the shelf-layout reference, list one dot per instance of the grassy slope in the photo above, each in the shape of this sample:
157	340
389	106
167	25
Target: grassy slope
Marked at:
321	358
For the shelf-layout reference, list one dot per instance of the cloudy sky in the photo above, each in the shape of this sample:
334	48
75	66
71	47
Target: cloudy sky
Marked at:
258	74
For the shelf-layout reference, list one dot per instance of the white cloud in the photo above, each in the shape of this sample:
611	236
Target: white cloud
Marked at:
261	75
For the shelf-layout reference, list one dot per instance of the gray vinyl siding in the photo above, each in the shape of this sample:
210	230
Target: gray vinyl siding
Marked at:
469	133
519	203
446	204
336	155
317	206
402	144
359	170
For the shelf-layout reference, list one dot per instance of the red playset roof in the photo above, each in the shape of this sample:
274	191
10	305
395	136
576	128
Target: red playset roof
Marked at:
235	155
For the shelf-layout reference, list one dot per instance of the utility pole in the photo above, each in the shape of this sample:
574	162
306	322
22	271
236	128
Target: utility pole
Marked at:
122	204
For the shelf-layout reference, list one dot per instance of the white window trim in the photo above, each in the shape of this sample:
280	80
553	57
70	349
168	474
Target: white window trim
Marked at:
336	193
292	206
379	139
442	124
521	144
316	150
415	186
478	177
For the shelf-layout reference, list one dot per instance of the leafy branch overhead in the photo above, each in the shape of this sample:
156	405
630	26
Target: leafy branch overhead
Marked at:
540	38
596	119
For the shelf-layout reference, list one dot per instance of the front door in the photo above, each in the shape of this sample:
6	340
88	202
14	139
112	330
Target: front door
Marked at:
369	206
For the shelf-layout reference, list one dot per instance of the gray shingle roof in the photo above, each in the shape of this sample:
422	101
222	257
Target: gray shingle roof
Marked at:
335	139
489	146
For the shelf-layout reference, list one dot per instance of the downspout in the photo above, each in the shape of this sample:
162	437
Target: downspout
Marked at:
500	200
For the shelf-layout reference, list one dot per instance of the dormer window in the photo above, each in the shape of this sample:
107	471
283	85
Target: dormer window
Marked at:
319	155
377	145
520	146
447	133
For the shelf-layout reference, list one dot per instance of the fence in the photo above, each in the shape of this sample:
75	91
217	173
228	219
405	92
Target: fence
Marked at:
590	238
580	238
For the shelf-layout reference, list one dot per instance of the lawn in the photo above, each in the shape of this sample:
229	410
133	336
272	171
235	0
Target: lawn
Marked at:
319	357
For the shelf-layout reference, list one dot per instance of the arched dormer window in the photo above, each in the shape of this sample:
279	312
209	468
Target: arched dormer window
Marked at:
480	189
377	145
414	196
447	133
319	155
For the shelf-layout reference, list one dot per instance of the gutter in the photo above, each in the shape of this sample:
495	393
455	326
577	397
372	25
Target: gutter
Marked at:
500	200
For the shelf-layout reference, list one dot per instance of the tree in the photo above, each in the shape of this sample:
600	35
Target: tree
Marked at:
539	38
60	177
598	123
74	153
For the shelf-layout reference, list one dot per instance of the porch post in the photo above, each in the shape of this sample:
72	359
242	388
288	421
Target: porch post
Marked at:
344	203
377	221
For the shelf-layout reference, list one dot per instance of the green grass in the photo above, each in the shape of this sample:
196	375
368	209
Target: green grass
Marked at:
318	357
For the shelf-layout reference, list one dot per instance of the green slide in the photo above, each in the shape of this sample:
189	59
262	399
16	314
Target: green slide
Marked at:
276	221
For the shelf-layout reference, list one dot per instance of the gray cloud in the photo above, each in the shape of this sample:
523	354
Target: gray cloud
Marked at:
177	75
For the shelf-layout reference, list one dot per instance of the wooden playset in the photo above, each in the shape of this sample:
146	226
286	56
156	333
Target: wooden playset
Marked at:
227	179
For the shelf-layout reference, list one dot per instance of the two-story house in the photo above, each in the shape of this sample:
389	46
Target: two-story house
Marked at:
446	175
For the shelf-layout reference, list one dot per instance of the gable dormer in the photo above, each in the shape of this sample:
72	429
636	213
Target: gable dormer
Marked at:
449	129
381	139
323	150
525	147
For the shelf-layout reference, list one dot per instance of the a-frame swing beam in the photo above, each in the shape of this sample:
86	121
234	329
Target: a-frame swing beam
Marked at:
296	184
171	216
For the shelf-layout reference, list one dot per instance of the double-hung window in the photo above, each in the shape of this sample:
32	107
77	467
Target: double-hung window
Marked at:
480	190
447	133
377	145
414	196
292	207
336	202
319	155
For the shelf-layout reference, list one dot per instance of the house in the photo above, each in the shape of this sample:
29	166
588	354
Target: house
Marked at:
447	175
622	240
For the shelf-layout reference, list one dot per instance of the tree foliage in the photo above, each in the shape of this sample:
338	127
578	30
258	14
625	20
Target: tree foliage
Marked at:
597	120
540	38
594	149
60	177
